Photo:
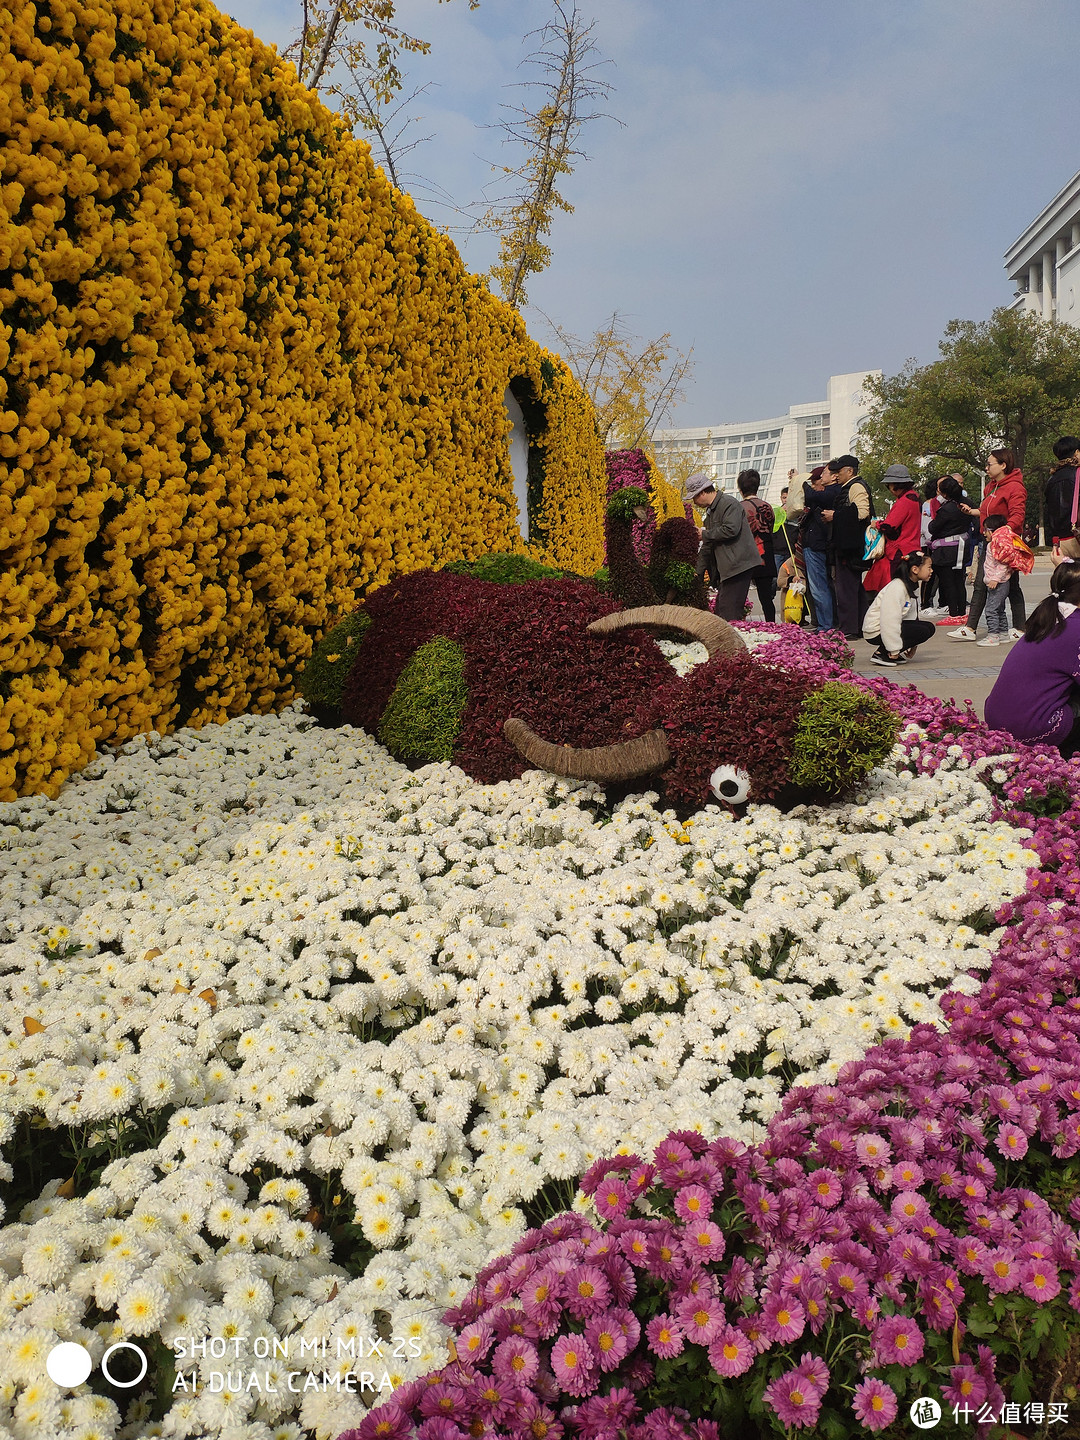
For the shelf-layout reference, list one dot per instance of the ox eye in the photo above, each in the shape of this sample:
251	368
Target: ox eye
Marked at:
729	784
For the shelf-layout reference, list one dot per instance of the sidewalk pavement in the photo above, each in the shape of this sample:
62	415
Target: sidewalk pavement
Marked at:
953	669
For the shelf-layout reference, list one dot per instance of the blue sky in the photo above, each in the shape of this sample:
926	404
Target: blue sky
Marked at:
798	187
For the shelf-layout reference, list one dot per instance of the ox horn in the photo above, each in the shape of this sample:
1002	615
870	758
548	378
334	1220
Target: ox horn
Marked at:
628	760
718	637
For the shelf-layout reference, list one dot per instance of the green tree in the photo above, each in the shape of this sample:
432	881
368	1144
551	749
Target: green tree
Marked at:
1011	380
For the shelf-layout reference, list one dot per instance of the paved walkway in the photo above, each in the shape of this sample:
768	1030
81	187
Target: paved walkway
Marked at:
954	669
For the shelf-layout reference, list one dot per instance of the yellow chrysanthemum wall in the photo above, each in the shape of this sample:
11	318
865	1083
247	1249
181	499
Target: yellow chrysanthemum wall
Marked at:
241	381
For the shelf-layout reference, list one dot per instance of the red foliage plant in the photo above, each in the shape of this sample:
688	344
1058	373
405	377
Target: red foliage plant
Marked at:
527	653
730	709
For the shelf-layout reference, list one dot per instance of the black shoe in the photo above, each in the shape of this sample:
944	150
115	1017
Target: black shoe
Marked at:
880	658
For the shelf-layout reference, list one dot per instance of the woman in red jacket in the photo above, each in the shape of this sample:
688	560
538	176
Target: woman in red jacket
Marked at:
901	527
1003	494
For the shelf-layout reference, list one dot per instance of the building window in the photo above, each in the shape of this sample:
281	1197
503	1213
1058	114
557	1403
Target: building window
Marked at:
746	449
813	437
813	456
733	465
759	450
770	448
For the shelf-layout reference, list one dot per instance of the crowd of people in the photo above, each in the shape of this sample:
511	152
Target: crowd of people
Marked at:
832	563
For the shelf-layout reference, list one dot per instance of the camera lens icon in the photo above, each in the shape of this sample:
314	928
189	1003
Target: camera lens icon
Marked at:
69	1364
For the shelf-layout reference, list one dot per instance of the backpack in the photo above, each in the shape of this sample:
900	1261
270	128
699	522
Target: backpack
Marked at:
754	509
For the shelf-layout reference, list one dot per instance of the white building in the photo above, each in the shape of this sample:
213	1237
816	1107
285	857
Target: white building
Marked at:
799	440
1044	264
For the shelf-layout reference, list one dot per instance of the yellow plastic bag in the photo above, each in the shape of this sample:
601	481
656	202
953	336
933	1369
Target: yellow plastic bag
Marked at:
793	606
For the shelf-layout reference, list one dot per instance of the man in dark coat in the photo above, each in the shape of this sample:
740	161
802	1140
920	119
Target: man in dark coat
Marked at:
851	512
1060	488
728	551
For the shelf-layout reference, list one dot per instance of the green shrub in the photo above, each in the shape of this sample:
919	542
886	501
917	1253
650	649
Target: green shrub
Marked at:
503	569
423	715
323	677
622	504
841	734
681	577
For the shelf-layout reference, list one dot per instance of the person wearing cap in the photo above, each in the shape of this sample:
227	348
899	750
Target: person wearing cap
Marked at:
850	516
728	552
819	498
901	528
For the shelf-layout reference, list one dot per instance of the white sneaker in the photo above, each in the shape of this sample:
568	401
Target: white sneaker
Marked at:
1015	634
992	640
934	613
962	632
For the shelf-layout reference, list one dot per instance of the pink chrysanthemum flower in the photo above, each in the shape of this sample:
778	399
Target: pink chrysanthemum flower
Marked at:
607	1340
875	1404
1012	1142
474	1342
612	1198
730	1352
907	1174
516	1359
700	1319
873	1149
665	1336
825	1187
796	1402
1000	1270
693	1202
1039	1280
573	1364
898	1341
587	1291
703	1240
784	1318
966	1387
635	1246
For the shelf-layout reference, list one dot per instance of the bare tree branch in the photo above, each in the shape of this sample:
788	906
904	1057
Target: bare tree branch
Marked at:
548	134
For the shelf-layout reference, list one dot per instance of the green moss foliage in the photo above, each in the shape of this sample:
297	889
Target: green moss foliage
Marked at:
503	569
841	734
323	677
423	715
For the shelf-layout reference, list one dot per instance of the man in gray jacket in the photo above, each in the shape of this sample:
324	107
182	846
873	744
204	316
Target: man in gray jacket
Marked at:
729	552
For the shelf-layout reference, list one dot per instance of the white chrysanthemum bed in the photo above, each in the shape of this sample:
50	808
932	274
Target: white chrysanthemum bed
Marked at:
317	994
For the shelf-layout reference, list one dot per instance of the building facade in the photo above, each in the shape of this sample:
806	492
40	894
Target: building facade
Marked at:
1044	263
806	436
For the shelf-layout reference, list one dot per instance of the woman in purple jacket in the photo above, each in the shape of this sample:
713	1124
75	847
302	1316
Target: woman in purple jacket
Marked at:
1036	696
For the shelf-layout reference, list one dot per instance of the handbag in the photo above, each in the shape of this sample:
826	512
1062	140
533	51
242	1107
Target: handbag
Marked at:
873	546
1075	505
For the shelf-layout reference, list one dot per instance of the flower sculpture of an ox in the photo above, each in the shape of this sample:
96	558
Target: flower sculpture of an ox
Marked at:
552	675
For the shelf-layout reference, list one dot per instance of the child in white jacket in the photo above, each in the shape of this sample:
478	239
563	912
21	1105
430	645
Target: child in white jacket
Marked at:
892	620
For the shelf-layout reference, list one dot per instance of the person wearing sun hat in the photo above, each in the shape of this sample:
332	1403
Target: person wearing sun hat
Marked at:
729	552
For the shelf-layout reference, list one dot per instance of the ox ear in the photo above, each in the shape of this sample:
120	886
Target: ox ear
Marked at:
718	637
628	760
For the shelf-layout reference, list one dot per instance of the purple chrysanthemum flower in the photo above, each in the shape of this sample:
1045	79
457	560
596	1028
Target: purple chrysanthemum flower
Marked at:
573	1364
730	1352
796	1402
665	1336
898	1341
875	1404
